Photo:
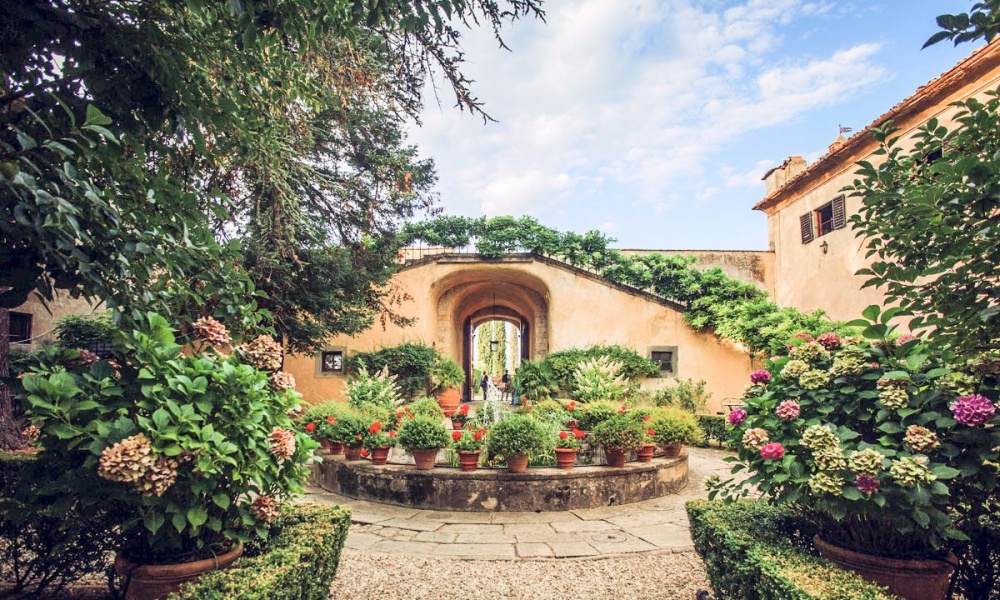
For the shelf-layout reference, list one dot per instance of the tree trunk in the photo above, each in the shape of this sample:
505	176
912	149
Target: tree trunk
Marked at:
10	428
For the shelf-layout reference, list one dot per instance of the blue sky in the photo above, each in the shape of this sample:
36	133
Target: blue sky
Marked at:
654	120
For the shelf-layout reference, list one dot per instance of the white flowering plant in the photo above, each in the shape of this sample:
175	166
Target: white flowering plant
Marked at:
889	443
198	448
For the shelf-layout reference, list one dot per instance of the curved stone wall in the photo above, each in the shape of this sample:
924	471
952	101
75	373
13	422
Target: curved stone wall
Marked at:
484	490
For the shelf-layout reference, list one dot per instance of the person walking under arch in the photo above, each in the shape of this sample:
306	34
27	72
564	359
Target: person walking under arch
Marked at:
484	383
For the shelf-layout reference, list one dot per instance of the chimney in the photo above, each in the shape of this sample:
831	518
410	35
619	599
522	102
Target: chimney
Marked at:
777	177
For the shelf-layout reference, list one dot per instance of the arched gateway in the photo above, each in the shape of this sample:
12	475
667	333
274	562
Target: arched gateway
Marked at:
552	305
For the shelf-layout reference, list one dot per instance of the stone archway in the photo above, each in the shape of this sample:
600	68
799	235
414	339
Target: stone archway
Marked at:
469	297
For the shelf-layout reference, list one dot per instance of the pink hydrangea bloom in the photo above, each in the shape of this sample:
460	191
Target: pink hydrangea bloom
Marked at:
772	451
866	484
760	376
973	410
788	410
737	416
829	340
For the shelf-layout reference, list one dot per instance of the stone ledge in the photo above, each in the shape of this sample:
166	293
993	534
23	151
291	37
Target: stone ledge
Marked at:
487	490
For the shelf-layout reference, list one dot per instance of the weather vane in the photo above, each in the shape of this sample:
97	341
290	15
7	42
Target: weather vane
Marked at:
844	130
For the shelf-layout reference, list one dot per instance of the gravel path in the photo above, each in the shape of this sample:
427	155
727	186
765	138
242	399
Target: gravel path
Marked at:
387	577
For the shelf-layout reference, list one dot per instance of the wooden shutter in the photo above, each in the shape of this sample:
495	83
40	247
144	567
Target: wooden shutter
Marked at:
839	216
806	223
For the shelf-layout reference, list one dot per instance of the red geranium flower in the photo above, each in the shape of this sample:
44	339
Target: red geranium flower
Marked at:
399	414
651	432
456	435
645	417
464	410
477	436
358	436
310	427
392	434
563	435
364	452
375	428
579	434
331	420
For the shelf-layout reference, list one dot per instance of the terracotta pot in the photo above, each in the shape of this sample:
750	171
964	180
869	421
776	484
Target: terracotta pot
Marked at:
469	461
380	455
325	445
645	453
449	400
910	579
572	424
615	457
457	425
672	450
353	452
153	582
565	457
517	463
424	459
336	449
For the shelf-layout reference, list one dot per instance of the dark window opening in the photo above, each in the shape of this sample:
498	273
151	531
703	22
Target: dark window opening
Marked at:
665	358
825	219
20	328
332	361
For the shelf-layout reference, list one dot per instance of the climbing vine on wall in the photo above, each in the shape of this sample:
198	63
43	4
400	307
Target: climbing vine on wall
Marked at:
712	300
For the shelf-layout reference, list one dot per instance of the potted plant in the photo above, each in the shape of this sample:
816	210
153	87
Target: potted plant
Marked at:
378	441
567	445
460	416
198	449
885	441
468	443
589	415
619	435
516	438
349	429
673	428
444	377
423	437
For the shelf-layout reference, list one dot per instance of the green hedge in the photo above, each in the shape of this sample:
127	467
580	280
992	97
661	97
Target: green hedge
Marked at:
299	562
754	551
714	427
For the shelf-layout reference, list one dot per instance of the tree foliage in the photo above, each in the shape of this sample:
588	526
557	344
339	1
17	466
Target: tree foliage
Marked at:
929	216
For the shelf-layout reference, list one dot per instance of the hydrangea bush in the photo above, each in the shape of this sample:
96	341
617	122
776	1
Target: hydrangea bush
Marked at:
198	447
886	440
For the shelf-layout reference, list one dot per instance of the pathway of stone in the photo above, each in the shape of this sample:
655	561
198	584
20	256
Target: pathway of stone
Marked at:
640	550
658	525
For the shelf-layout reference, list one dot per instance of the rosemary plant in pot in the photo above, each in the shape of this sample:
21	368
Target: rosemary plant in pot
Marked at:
198	448
885	440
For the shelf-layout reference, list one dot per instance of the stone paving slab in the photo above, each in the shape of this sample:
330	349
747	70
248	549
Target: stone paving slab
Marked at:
655	526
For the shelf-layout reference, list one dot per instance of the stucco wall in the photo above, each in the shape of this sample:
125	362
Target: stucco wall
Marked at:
581	310
806	277
43	320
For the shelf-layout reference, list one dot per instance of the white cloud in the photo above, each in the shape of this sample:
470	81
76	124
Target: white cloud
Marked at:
631	98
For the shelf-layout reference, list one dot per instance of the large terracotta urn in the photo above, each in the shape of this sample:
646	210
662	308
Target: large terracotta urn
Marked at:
155	582
449	400
913	579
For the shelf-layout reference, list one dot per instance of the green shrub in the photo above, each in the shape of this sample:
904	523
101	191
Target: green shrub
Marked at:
686	395
94	332
673	426
443	374
426	407
300	562
349	428
620	431
590	415
379	389
534	380
754	551
551	411
517	434
422	433
49	541
410	363
714	427
632	366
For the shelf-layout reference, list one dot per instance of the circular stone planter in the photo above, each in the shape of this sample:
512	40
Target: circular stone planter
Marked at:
484	490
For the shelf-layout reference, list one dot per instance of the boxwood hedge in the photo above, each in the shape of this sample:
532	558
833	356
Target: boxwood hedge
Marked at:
754	551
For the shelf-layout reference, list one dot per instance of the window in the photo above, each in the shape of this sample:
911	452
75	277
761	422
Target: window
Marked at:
825	219
331	362
666	356
20	328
